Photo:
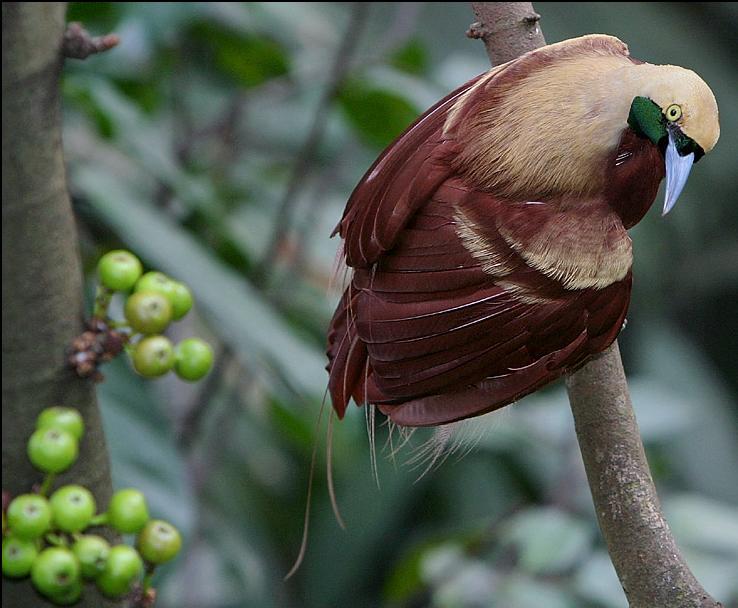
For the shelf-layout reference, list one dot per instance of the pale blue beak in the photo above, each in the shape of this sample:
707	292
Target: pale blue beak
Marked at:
677	172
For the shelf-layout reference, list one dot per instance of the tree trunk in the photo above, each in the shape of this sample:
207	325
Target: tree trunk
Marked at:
42	307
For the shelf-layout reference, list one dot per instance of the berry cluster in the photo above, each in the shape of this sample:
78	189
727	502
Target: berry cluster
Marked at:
153	301
44	537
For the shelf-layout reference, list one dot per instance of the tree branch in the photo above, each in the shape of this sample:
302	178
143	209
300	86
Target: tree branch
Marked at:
42	278
645	555
79	44
508	29
650	567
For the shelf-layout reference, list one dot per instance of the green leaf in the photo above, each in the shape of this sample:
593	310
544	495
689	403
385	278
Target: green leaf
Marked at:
704	524
250	59
547	540
152	462
598	582
526	592
378	115
97	15
76	94
411	58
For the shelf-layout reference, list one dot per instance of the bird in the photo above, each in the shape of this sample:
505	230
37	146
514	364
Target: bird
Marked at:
488	245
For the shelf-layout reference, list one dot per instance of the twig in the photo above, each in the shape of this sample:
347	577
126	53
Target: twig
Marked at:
79	44
649	565
308	152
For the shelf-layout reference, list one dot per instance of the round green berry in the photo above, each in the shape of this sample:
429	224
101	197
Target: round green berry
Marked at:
119	270
69	596
148	312
52	450
177	293
181	300
193	359
55	573
157	282
72	508
128	512
29	516
153	356
123	567
92	552
65	418
159	541
18	556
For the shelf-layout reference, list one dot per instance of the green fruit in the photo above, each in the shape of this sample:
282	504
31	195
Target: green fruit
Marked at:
153	356
52	450
193	359
72	508
155	281
29	516
123	568
92	552
119	270
148	312
159	542
18	556
177	293
56	574
69	596
181	300
65	418
127	511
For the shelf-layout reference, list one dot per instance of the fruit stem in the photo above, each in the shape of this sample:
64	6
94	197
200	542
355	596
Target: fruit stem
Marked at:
100	519
56	539
148	577
47	483
103	295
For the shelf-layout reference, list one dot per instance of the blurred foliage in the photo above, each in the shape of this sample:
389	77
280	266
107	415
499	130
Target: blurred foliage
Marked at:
181	143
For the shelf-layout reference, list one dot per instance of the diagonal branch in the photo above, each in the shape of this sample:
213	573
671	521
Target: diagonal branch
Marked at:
650	567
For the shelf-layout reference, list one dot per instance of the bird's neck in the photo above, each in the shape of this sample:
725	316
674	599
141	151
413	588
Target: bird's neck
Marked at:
634	172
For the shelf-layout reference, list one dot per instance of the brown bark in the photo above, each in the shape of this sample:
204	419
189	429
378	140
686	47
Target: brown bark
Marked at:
508	29
42	279
651	569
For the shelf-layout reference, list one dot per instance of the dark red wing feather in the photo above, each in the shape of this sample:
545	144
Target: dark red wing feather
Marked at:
425	332
401	180
441	340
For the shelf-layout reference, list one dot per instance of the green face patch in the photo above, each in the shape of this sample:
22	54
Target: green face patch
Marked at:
646	119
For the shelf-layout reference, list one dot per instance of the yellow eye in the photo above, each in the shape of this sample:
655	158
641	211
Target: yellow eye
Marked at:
673	112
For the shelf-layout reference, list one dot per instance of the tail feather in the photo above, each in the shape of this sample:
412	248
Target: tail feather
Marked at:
347	356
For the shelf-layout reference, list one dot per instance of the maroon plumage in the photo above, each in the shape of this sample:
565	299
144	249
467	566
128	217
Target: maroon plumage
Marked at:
427	329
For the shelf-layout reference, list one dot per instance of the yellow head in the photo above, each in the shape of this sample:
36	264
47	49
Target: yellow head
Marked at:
549	122
685	102
675	107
